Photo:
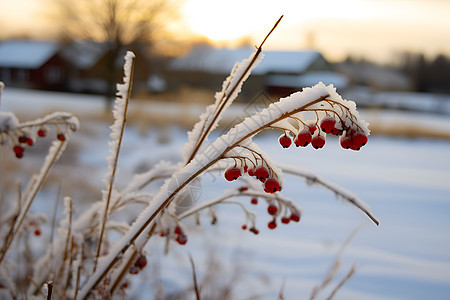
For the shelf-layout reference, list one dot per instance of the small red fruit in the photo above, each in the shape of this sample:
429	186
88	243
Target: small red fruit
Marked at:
244	227
303	138
271	185
285	141
18	150
272	224
285	220
243	189
182	239
312	128
327	124
358	140
254	230
318	141
345	142
37	232
295	217
272	209
141	262
42	132
232	174
61	137
261	173
254	201
178	230
251	172
22	139
29	141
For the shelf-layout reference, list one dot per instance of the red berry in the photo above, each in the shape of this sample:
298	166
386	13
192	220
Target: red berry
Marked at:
327	124
261	173
22	139
37	232
272	224
271	185
243	189
285	141
41	132
178	230
244	227
345	142
232	174
251	172
61	137
182	239
141	262
285	220
29	141
358	140
254	230
18	150
124	285
303	138
272	209
254	201
312	128
295	217
318	141
337	130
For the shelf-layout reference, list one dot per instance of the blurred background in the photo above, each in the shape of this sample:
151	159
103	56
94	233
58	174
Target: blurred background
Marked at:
392	57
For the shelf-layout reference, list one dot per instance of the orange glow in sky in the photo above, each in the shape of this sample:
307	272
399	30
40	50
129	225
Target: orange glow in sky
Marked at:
364	28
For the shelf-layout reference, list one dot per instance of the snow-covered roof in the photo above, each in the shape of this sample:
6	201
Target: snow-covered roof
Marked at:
308	79
85	53
26	53
222	60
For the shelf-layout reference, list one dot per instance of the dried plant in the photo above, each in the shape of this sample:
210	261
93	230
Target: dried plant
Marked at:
84	262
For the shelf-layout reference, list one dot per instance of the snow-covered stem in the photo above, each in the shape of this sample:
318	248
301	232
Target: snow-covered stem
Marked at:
34	186
333	187
120	115
216	151
227	95
2	85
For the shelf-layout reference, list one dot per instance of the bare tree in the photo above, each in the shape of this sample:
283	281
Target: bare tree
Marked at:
118	23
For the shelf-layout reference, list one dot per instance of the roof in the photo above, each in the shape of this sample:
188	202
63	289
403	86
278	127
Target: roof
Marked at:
308	79
222	60
84	53
26	54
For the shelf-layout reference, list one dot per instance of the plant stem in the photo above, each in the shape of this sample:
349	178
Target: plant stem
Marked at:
227	96
171	196
114	168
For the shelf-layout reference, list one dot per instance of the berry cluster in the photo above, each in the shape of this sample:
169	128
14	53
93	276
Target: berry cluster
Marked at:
260	172
27	139
139	264
276	208
351	137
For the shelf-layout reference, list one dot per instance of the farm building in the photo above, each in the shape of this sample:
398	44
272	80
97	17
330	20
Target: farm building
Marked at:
279	73
32	64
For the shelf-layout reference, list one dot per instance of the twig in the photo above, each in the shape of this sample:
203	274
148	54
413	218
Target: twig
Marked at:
49	290
96	278
227	96
342	282
194	278
33	192
114	167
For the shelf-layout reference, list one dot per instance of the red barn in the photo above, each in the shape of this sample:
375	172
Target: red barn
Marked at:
32	64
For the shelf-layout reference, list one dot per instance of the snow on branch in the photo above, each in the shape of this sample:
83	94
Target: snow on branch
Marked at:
341	192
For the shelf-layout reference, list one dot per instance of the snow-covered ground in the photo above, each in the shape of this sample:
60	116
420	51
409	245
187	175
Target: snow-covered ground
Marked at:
405	181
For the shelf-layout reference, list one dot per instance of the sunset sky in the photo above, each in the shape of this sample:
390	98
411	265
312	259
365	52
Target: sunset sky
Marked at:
375	29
